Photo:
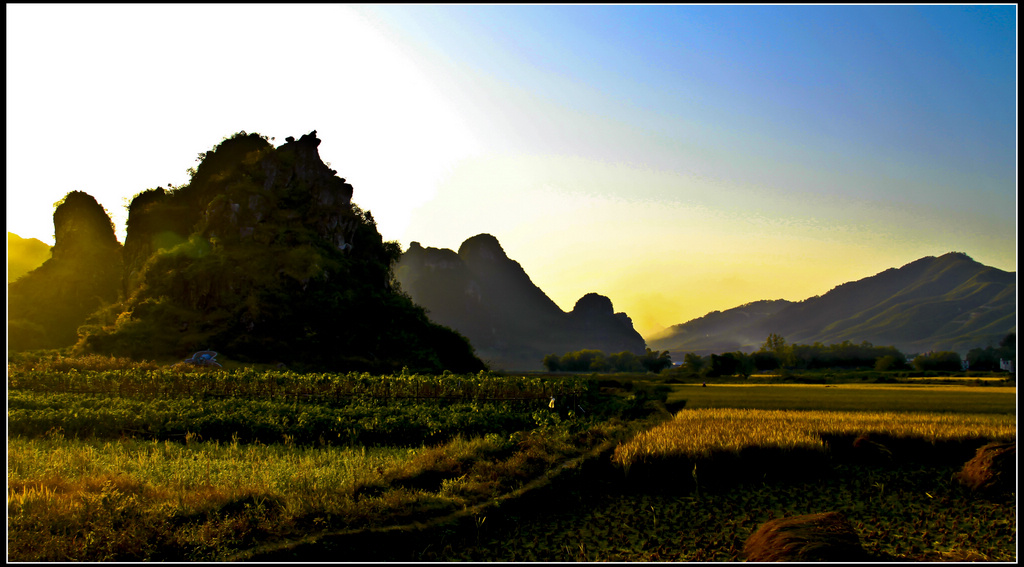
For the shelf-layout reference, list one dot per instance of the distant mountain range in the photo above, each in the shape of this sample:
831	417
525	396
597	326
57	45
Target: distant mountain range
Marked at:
511	323
948	302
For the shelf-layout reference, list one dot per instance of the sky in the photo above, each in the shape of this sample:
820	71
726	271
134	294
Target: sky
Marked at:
677	159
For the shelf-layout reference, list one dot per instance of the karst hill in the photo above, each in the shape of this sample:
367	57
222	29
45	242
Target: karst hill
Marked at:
82	274
263	257
488	297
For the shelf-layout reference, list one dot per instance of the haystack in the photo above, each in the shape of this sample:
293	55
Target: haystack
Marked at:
992	471
827	536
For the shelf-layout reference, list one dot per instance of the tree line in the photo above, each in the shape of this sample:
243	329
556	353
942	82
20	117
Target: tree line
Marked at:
591	360
988	358
776	354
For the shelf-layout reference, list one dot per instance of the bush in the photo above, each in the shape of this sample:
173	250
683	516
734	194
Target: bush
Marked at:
943	361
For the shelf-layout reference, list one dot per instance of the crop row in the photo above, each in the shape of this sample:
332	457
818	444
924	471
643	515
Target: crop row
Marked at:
173	382
354	422
700	432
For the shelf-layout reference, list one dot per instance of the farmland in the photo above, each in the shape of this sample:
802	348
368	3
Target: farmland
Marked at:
850	397
113	461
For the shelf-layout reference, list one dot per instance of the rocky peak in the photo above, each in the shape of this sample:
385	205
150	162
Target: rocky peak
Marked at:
482	248
432	258
593	305
46	306
304	157
81	227
247	190
489	298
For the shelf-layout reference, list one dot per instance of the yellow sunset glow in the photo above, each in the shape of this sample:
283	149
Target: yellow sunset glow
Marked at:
676	176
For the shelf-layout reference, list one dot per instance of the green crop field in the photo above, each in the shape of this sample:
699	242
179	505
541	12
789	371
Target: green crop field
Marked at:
849	397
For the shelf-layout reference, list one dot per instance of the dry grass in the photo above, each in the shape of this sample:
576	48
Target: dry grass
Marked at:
79	500
52	361
700	432
95	500
826	536
992	471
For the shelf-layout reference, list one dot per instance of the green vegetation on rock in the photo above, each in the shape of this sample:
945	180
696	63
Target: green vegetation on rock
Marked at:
262	257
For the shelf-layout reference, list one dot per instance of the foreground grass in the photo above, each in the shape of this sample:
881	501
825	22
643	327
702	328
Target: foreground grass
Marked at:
101	500
136	500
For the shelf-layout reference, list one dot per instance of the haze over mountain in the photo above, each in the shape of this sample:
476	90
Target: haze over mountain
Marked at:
950	302
511	322
24	255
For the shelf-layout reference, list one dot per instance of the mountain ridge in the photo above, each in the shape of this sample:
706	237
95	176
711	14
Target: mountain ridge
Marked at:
949	302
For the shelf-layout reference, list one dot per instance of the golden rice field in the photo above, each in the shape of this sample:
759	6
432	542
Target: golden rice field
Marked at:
699	432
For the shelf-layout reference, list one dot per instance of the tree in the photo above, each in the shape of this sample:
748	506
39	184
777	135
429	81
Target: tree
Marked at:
944	361
1009	342
654	361
983	359
777	344
764	360
586	360
1008	348
745	366
552	363
725	364
693	363
774	343
624	361
890	362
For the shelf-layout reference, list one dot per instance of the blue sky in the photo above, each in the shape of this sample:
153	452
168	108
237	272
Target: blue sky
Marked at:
679	159
920	86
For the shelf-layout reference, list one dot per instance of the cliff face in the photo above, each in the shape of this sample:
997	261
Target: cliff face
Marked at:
264	257
512	323
46	306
